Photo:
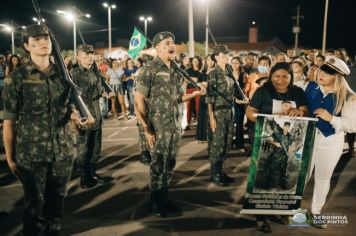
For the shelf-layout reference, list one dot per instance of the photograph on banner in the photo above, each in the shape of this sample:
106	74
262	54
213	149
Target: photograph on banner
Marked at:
282	150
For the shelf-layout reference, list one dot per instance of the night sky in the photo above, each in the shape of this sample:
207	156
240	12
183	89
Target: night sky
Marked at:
228	18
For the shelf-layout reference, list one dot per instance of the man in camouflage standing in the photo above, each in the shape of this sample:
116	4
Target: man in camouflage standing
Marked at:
159	85
89	143
220	100
40	151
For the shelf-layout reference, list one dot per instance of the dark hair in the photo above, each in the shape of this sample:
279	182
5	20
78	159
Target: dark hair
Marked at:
11	65
205	64
287	123
111	62
127	62
321	56
266	58
182	56
299	63
252	54
239	59
199	60
330	50
281	66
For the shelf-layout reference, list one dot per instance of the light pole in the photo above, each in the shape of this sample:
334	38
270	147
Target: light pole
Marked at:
206	28
38	21
109	7
73	16
190	28
325	25
145	20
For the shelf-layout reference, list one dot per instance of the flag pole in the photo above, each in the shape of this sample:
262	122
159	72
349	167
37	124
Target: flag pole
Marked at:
147	38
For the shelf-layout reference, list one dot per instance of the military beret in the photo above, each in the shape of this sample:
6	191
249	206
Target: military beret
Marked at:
88	48
220	48
35	30
161	36
333	65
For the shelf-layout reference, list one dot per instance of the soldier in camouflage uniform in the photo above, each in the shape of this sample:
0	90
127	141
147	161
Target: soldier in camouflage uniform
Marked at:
159	86
89	143
37	133
220	100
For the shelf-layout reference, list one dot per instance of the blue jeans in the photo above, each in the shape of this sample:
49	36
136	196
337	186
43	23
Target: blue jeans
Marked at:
131	100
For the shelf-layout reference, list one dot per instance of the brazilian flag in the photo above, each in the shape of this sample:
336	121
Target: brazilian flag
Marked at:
137	43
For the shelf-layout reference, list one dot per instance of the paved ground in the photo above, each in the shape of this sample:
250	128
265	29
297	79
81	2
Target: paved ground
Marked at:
120	207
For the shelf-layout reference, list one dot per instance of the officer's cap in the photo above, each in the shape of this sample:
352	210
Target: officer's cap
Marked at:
161	36
88	48
333	65
220	48
35	30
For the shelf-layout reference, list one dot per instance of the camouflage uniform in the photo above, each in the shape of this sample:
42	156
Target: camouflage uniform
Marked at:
220	93
44	145
162	88
89	143
145	153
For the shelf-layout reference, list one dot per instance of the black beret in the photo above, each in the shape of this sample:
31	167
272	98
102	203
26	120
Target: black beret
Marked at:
88	48
220	48
161	36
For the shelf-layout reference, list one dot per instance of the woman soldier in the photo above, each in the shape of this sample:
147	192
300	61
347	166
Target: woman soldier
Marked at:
220	100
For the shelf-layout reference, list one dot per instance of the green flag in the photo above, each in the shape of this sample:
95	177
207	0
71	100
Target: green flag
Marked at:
137	43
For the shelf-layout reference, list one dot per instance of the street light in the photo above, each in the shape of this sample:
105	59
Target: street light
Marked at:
145	20
73	16
10	29
38	21
109	7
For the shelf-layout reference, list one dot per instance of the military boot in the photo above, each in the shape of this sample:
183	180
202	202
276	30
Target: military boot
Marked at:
226	178
171	209
98	178
156	204
86	180
145	158
216	174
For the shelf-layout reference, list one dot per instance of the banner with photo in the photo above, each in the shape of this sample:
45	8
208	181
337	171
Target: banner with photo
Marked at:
282	151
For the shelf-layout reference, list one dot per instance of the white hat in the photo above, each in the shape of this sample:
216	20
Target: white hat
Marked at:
333	65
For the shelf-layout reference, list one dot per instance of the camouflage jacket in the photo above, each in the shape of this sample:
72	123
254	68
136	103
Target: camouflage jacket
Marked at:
91	92
163	91
221	88
39	103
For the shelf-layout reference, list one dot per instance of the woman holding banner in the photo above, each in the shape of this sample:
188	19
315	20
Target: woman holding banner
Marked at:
332	101
270	99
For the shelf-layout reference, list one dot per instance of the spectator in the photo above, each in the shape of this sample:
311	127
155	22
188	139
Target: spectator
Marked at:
280	57
202	126
299	78
250	65
239	106
115	74
195	74
319	60
129	78
14	62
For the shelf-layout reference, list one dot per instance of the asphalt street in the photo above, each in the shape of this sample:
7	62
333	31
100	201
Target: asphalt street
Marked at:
121	206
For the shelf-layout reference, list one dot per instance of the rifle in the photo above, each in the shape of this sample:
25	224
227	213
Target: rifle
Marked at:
97	72
75	90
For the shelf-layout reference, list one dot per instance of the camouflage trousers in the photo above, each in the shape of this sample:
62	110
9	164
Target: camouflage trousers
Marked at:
220	141
163	154
44	186
89	146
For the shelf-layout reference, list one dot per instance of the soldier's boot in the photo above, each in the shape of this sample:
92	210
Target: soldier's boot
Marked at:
171	209
216	174
98	178
86	180
156	204
145	158
226	178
